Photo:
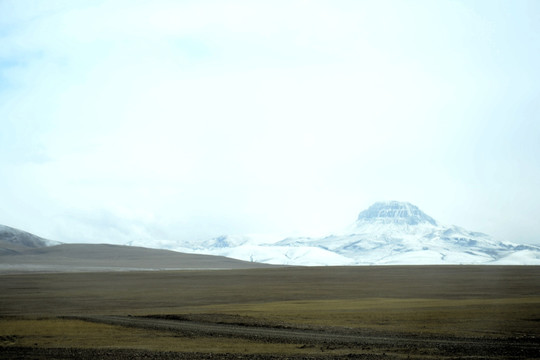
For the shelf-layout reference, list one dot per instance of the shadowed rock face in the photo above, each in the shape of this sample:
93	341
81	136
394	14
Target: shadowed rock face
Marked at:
395	212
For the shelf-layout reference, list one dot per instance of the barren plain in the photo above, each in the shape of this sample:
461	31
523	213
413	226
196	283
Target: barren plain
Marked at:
393	312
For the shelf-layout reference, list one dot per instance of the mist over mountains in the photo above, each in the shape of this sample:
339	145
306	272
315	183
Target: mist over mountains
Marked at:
387	233
13	240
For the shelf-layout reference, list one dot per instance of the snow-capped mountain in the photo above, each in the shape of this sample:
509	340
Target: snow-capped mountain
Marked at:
386	233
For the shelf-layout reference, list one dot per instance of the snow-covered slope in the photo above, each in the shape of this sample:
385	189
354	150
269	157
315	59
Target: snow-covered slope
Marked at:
14	240
386	233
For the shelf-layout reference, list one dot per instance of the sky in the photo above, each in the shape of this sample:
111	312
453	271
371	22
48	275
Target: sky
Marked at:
154	121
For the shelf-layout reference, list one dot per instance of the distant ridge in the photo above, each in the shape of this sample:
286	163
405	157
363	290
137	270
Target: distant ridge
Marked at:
24	252
386	233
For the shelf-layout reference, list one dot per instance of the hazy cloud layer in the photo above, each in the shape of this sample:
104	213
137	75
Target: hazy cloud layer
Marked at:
165	120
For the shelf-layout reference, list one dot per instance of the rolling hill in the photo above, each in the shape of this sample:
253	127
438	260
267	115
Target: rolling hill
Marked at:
23	252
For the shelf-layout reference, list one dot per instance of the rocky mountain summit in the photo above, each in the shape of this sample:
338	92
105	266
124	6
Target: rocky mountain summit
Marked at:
394	212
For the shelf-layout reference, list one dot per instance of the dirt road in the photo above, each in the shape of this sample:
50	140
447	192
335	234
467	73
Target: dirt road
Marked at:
331	338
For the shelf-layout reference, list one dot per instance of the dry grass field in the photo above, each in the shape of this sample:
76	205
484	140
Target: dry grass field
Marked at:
422	312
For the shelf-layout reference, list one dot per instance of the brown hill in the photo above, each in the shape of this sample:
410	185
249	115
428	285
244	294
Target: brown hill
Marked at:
24	252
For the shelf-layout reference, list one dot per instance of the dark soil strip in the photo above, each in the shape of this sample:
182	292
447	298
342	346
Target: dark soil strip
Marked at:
125	354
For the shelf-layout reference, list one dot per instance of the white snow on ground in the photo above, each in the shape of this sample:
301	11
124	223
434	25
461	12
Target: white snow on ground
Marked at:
387	233
279	255
523	257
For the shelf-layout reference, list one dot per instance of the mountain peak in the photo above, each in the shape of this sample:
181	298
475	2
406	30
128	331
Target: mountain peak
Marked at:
395	212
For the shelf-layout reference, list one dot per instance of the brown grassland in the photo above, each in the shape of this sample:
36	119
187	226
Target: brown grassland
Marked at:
417	312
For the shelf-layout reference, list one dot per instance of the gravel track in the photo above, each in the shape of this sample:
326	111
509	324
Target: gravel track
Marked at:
430	346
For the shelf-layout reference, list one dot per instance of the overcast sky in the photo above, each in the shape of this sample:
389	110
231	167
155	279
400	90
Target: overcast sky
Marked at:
173	120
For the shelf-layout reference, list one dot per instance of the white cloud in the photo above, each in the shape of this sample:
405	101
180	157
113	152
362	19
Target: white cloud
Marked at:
280	117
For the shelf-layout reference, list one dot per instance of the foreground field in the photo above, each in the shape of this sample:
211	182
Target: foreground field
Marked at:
363	312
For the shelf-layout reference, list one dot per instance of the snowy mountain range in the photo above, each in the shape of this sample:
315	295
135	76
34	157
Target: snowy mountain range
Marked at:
386	233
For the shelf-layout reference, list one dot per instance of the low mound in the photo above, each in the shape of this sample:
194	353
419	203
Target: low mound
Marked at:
104	257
